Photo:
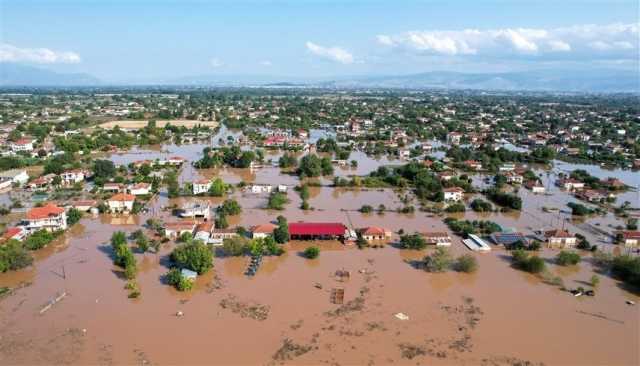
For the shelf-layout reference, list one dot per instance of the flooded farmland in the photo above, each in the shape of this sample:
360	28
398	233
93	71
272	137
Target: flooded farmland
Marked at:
495	316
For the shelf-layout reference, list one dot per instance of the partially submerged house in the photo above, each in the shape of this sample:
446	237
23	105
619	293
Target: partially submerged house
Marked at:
560	238
509	239
437	238
121	203
49	217
176	228
374	233
630	238
317	231
196	209
262	231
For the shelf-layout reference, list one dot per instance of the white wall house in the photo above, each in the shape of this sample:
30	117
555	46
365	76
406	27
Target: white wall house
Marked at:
24	144
121	203
18	176
201	186
453	194
140	189
49	217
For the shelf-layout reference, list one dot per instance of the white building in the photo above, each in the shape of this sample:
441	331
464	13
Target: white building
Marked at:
453	194
140	189
49	217
71	177
121	203
23	144
18	176
201	186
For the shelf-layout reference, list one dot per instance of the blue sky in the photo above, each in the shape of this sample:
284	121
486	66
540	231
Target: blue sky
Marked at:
139	40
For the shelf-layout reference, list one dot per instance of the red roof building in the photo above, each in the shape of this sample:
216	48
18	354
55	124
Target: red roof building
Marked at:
49	210
316	230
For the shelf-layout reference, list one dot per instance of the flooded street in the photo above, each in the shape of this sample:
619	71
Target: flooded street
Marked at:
495	316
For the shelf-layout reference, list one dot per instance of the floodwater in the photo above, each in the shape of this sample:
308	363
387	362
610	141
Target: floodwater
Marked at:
495	316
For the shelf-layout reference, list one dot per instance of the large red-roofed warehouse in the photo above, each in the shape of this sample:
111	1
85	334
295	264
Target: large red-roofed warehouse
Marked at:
316	230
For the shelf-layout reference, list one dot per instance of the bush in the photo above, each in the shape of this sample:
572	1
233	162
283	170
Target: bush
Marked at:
39	239
230	207
565	258
73	216
412	241
175	279
234	247
277	200
311	252
366	209
479	205
456	207
281	233
466	263
579	209
194	255
14	256
504	199
439	261
525	262
627	268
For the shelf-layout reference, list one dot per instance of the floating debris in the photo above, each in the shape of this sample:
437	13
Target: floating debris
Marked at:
402	316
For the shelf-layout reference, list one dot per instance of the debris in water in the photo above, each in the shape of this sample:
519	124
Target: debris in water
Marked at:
179	313
402	316
630	302
53	302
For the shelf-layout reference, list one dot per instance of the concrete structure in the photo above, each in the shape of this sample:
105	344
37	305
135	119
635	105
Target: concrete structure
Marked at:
317	231
631	238
177	228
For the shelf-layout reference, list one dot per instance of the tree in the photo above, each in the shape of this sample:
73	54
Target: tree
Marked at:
565	258
281	233
439	261
143	243
194	255
235	246
175	278
230	207
73	216
277	200
311	252
525	262
466	263
14	256
412	241
479	205
287	161
104	169
366	209
218	188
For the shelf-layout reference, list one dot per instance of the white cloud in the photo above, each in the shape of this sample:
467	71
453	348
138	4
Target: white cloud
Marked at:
266	63
10	53
216	63
559	46
336	54
620	40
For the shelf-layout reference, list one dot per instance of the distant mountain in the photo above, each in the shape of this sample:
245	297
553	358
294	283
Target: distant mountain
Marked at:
600	80
552	80
12	74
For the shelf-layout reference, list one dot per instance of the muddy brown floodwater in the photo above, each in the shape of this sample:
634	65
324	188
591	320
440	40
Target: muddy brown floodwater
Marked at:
495	316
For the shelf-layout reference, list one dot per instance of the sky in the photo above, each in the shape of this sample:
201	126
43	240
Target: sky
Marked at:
144	40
